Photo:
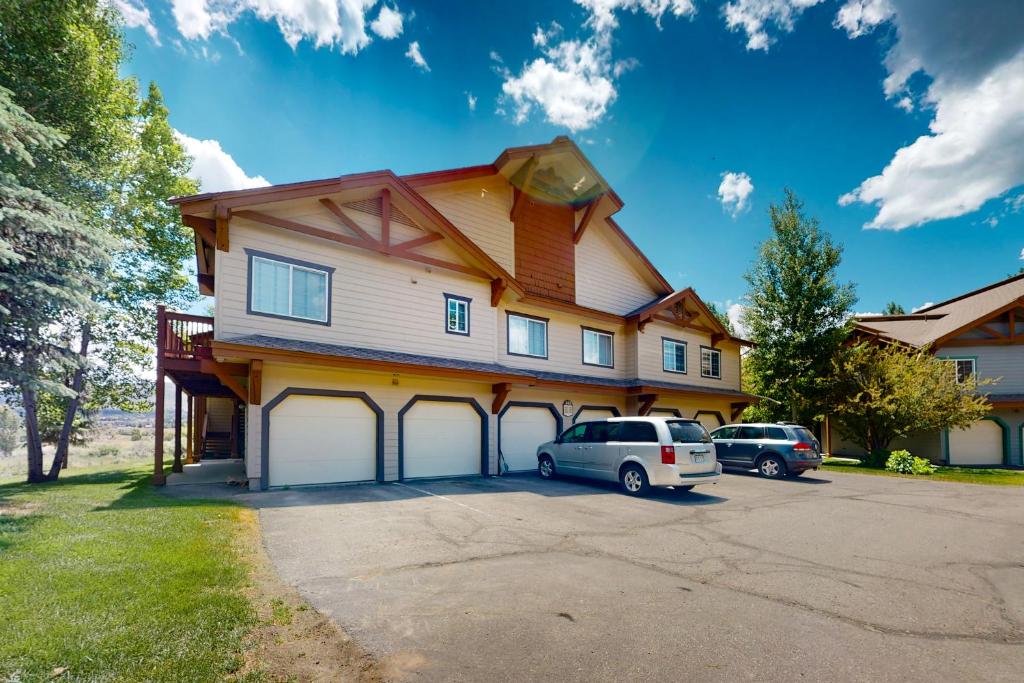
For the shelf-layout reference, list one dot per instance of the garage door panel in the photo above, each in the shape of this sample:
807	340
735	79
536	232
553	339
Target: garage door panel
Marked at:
322	440
440	439
523	428
710	422
979	444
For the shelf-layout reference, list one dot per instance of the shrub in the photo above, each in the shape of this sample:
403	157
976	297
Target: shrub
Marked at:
105	451
905	463
876	459
136	434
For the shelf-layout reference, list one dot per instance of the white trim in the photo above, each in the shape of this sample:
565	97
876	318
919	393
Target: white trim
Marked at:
686	350
527	320
611	348
709	373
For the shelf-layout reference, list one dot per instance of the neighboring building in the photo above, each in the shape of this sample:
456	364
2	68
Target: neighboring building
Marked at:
384	327
980	333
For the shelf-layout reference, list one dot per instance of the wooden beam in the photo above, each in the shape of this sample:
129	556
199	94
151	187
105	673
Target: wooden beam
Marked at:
212	367
501	392
648	403
188	430
385	218
588	214
992	332
176	466
346	221
498	287
222	217
737	408
716	337
418	242
206	283
1004	341
206	228
256	382
1013	323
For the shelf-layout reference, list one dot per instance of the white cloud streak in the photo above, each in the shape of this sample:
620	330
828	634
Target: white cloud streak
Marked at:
136	15
734	192
416	56
756	17
215	169
388	24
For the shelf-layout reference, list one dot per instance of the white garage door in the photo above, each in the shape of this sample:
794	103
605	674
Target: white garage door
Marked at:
593	414
440	440
709	421
979	444
523	428
322	440
662	412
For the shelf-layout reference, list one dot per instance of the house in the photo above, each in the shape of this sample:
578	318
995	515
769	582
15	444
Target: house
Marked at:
980	333
383	327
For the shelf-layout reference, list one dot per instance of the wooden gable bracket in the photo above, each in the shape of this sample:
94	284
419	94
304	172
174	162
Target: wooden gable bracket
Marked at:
737	408
501	391
212	367
648	401
222	216
528	169
346	221
588	214
498	287
256	382
385	219
716	337
1013	323
204	227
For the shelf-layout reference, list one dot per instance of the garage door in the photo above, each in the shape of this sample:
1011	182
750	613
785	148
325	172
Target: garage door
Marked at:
523	428
710	421
979	444
321	440
440	440
593	414
662	412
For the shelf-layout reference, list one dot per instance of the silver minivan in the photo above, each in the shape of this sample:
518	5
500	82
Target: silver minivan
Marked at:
637	452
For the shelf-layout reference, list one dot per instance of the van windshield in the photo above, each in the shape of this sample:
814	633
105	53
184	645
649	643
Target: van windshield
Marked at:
688	432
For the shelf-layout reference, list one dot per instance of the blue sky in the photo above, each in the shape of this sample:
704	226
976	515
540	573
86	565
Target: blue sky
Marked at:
890	100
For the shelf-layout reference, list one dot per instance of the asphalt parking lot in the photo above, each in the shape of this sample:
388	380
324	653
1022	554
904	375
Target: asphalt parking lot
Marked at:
830	577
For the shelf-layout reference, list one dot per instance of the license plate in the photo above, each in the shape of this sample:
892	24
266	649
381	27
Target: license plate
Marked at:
698	458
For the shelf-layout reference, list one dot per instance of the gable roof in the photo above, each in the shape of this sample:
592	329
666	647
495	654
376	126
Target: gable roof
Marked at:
943	321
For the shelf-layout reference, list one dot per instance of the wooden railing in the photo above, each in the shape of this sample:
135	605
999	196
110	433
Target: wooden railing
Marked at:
182	335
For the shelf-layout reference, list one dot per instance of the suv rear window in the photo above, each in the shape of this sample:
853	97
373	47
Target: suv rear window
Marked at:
688	432
804	434
637	432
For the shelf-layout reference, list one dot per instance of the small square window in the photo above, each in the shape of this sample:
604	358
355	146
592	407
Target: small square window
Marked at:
456	314
710	363
527	336
673	356
597	348
963	367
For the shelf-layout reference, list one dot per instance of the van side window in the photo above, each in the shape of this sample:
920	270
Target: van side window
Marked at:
748	432
602	432
574	434
777	433
637	432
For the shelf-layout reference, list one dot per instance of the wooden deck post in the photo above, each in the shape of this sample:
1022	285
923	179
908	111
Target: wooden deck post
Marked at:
159	478
188	433
176	467
234	428
200	422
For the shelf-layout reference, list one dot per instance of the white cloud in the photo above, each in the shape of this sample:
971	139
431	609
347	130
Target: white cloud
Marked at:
754	17
214	168
735	312
974	152
325	23
573	81
471	101
136	15
858	17
416	56
734	192
388	24
1022	254
926	304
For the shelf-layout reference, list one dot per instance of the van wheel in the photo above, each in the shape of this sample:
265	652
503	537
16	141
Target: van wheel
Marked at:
546	467
634	480
771	467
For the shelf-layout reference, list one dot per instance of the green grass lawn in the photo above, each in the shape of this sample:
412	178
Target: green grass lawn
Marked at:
103	578
967	475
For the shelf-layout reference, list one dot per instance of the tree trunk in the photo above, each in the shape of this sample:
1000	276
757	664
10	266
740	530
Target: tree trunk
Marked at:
32	442
60	457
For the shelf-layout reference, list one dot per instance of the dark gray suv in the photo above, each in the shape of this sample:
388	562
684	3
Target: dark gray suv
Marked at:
775	450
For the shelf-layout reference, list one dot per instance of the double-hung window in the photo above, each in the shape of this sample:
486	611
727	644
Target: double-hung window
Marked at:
963	367
456	314
527	336
287	288
597	348
673	356
710	362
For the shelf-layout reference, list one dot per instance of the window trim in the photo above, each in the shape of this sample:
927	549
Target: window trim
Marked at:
462	299
508	334
583	334
686	356
954	359
714	350
252	254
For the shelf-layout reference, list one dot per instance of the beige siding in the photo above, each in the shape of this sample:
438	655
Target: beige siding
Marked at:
376	302
480	209
605	279
695	407
565	344
557	397
650	361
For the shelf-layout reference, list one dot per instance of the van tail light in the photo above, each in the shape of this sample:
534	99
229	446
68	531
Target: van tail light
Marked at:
803	446
668	455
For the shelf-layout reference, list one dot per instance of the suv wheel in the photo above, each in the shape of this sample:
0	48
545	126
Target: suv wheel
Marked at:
546	467
771	467
634	480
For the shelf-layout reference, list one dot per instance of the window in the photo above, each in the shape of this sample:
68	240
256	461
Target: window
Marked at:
688	432
724	433
574	434
963	367
710	362
777	434
527	336
287	288
602	432
597	348
637	432
748	432
456	314
673	356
